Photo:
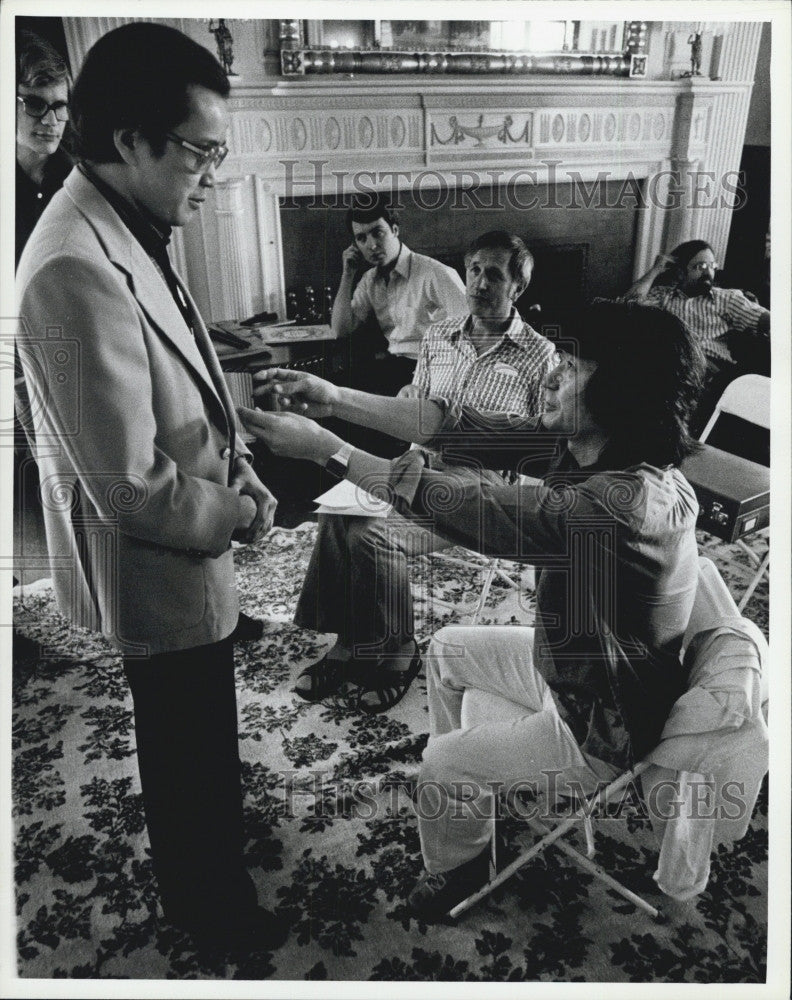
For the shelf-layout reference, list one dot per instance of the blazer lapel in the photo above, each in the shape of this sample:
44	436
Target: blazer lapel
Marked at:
146	283
204	344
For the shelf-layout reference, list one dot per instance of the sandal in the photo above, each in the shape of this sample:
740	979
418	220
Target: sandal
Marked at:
390	686
326	678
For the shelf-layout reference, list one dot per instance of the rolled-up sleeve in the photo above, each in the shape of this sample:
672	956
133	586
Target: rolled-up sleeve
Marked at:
741	313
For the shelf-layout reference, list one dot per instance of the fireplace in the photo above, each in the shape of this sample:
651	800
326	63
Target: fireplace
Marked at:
599	178
582	246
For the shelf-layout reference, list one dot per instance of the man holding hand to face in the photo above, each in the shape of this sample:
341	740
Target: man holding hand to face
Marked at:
404	291
732	331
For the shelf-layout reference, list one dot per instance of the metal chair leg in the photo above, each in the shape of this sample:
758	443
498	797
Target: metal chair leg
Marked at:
601	798
596	870
754	582
488	577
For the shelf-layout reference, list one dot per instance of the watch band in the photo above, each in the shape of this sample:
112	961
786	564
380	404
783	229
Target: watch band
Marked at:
339	463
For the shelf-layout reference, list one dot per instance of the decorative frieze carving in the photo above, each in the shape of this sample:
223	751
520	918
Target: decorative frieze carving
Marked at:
510	129
311	132
580	128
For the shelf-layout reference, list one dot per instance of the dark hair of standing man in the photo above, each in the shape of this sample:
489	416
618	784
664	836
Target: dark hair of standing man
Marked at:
138	76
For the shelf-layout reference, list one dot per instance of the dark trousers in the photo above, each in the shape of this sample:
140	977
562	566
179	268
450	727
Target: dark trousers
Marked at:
383	374
188	756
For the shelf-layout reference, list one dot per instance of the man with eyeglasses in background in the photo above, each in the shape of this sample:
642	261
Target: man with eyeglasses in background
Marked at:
732	330
42	164
136	429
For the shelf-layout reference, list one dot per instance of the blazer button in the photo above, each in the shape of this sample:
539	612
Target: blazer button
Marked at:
225	453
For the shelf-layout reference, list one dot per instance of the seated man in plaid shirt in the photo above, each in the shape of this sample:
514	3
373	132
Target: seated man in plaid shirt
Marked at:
357	584
732	331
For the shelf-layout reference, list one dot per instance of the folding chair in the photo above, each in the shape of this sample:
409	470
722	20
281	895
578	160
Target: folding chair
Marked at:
748	398
490	568
713	606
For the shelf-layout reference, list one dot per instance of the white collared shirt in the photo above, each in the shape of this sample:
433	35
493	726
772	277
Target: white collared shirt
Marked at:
419	291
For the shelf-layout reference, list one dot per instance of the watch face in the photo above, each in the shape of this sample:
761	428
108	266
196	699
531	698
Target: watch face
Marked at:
338	464
337	468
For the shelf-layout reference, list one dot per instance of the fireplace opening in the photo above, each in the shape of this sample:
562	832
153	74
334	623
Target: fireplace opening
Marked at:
582	248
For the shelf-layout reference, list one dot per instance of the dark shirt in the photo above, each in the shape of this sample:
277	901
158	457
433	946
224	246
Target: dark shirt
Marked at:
616	548
32	198
153	239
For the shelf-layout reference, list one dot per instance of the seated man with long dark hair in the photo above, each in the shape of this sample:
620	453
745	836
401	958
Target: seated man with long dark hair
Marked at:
612	528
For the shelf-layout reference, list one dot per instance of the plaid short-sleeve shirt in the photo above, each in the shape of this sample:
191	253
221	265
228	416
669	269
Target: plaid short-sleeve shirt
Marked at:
711	316
508	376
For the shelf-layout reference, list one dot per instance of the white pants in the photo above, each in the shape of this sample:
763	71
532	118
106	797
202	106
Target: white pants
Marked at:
494	726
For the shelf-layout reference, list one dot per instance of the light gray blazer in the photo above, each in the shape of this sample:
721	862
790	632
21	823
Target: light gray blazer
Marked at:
133	433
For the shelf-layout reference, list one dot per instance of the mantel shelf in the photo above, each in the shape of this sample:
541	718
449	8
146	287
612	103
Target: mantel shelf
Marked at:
364	86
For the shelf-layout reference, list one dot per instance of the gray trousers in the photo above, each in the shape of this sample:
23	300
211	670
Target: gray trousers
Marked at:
357	584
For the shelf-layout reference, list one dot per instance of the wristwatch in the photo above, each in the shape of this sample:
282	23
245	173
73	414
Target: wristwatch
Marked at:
338	464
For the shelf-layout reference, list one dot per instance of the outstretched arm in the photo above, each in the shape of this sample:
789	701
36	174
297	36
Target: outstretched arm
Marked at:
517	521
416	420
466	436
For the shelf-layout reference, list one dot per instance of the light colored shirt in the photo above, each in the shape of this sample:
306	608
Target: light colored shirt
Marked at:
711	316
508	376
419	291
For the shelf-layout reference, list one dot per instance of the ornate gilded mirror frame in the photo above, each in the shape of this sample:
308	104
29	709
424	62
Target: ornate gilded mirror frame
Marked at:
299	59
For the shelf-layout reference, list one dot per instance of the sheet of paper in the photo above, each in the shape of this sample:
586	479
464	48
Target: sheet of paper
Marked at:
346	498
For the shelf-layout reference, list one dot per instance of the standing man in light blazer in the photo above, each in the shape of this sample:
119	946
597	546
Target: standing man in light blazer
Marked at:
145	481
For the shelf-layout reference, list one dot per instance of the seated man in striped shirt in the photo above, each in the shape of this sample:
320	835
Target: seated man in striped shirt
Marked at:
732	331
357	583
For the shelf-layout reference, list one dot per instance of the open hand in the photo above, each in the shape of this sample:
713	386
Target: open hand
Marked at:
662	262
296	391
291	434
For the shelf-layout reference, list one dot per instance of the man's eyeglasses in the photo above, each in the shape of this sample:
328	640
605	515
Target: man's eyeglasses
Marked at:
37	107
203	157
704	265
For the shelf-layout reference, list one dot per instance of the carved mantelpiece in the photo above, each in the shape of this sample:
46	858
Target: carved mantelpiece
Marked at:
321	135
304	138
415	127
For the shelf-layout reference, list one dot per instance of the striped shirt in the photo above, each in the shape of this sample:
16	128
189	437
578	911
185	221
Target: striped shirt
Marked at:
508	376
711	316
419	291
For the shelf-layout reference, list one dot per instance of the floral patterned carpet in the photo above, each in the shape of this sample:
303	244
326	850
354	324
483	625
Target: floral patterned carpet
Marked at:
332	842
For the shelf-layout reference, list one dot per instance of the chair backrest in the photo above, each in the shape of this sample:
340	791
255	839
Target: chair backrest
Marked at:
747	397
